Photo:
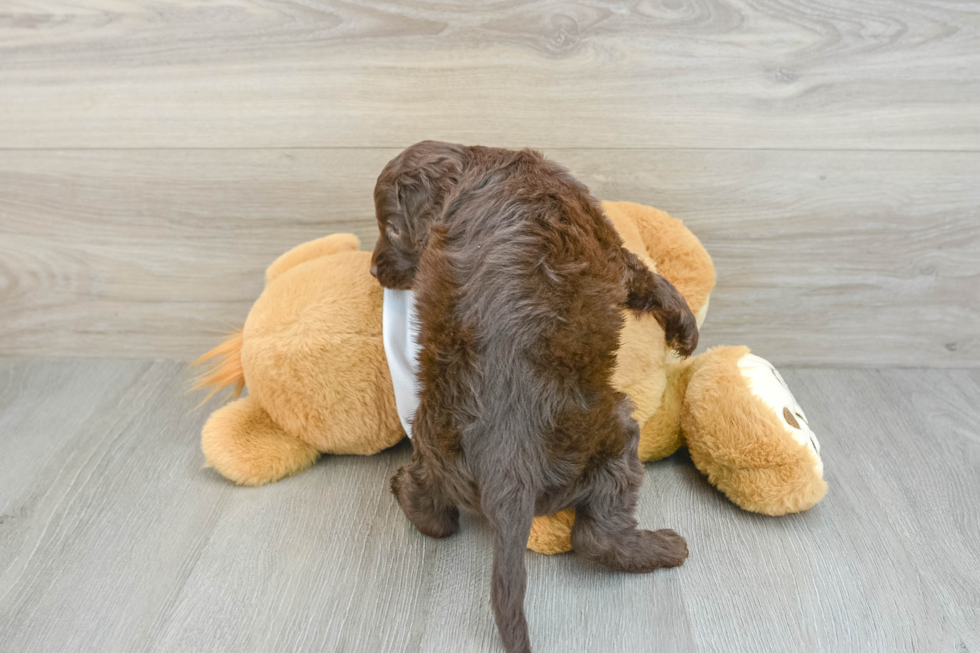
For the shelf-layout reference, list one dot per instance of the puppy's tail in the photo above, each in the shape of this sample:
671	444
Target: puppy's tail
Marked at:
651	293
509	507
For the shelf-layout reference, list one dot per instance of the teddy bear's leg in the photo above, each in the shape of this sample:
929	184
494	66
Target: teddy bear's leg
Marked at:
746	432
242	442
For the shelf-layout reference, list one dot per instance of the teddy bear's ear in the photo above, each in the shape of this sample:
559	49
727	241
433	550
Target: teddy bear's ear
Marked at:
332	244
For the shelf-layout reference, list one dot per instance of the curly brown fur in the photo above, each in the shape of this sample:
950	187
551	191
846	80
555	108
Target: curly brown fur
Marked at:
520	281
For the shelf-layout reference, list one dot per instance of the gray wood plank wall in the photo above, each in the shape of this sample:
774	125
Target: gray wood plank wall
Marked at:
155	156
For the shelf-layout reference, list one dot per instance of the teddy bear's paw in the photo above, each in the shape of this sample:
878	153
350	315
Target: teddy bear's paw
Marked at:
768	385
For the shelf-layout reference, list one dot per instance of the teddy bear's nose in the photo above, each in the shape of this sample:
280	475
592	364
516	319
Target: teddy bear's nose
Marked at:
374	270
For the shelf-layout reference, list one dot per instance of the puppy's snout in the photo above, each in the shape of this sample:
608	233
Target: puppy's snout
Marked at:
374	270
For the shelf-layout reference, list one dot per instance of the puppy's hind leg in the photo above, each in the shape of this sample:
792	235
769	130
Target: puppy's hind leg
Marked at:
423	500
605	531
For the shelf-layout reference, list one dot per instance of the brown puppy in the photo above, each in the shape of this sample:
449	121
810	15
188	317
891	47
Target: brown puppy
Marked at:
520	281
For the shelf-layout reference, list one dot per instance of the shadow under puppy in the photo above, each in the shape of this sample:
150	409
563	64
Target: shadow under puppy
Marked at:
520	281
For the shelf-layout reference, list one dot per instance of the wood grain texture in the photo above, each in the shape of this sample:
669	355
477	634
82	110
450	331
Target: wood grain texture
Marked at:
885	74
823	258
112	538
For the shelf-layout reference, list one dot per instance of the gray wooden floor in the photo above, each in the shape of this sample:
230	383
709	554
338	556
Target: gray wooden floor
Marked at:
113	538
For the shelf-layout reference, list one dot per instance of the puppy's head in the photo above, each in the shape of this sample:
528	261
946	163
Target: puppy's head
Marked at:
408	198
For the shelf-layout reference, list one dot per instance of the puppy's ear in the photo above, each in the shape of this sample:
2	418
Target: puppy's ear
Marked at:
423	176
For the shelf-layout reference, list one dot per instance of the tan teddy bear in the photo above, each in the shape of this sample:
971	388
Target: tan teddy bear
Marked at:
312	358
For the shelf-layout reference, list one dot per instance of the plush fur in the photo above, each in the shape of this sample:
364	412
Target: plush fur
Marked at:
520	281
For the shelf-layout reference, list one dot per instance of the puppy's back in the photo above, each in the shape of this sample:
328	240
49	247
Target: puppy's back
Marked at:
523	302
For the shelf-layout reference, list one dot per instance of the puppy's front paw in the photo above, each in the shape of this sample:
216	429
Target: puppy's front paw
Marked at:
429	515
396	481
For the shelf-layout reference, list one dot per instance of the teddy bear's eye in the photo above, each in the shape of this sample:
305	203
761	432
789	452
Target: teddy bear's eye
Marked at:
788	416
